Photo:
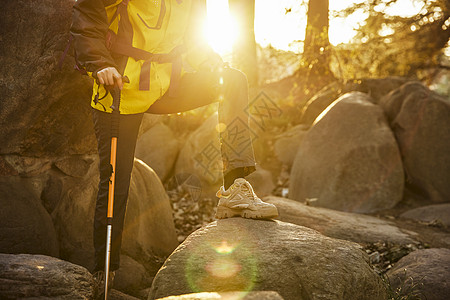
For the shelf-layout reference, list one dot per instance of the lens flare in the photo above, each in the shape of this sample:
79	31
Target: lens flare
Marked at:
224	248
225	264
223	268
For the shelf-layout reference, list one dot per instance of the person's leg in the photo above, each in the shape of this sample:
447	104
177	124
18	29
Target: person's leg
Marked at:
128	131
229	88
236	138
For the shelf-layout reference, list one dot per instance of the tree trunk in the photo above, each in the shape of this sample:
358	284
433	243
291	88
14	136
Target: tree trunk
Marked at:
244	48
316	54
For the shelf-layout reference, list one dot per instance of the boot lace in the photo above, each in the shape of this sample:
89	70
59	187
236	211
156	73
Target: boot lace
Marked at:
248	191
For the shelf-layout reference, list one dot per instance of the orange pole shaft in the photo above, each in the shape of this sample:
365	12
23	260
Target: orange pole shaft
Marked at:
112	179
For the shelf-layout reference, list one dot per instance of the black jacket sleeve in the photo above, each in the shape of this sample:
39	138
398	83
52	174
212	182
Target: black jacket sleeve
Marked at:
89	28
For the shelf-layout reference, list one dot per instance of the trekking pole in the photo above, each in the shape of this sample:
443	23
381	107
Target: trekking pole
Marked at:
115	115
115	120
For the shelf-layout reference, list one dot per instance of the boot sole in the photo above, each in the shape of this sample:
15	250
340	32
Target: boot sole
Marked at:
225	212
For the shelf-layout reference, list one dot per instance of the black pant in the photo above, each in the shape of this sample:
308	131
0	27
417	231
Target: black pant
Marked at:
195	90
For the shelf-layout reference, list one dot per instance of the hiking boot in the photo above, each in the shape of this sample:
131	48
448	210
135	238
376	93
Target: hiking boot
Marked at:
99	283
241	200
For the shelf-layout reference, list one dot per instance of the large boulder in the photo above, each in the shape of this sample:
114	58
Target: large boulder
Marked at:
25	225
437	214
73	214
149	233
45	110
420	120
424	274
341	225
200	154
158	148
319	102
131	277
247	255
26	276
286	145
349	159
375	87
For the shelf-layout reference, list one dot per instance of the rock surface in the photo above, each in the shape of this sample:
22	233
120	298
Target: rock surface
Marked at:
27	276
424	273
227	296
117	295
73	216
248	255
200	154
261	181
349	159
158	148
131	277
149	234
375	87
358	228
318	103
45	110
25	225
286	145
437	214
420	120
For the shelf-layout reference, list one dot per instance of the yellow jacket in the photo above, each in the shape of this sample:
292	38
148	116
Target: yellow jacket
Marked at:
155	26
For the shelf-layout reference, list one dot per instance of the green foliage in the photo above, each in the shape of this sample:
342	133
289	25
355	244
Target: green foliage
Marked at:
388	45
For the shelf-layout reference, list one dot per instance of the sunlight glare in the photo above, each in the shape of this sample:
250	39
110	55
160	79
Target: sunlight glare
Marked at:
221	28
282	23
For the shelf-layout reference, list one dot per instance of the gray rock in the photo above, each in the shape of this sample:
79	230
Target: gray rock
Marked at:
349	159
28	166
261	181
438	214
424	273
25	225
45	111
379	87
286	145
420	120
27	276
148	121
75	166
358	228
158	148
200	154
52	191
131	277
74	216
6	169
375	87
117	295
149	233
227	296
319	102
247	255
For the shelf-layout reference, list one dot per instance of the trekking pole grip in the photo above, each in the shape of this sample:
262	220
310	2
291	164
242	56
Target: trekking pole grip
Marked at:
116	94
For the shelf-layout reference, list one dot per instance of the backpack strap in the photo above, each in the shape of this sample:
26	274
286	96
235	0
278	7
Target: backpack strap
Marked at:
121	44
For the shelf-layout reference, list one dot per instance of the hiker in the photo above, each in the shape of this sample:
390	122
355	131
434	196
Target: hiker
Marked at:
158	47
